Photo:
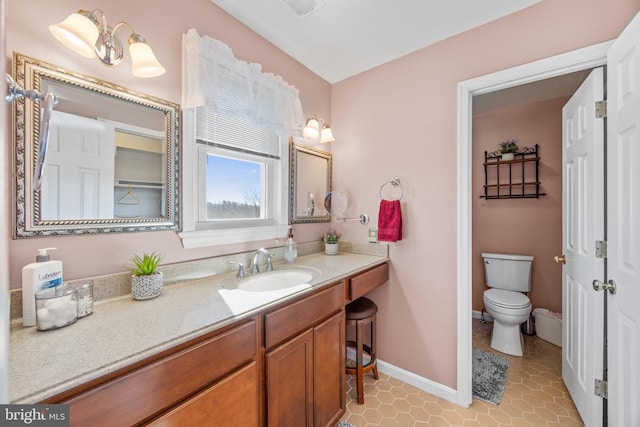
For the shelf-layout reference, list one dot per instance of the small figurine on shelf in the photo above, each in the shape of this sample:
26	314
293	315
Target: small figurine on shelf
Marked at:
508	148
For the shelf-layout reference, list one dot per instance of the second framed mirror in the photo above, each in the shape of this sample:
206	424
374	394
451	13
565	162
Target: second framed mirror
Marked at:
309	182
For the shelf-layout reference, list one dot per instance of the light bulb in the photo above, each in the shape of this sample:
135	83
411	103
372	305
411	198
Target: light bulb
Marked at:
312	129
143	61
78	32
326	135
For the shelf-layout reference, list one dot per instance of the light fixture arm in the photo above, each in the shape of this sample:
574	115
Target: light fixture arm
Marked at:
102	26
108	47
119	24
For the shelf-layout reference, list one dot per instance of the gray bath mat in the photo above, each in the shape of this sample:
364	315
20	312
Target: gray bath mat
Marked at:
344	424
489	376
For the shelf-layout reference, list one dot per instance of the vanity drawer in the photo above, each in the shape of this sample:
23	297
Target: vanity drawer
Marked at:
233	401
151	389
285	322
363	283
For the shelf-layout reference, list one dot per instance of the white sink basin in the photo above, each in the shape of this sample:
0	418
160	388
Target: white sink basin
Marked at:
276	280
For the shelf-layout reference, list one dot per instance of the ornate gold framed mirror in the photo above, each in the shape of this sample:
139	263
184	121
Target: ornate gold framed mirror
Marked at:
112	162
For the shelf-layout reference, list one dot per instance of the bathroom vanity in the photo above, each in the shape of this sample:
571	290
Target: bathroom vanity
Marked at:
197	354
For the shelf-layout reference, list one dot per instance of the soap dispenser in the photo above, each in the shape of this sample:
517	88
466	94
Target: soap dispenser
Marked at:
290	248
43	274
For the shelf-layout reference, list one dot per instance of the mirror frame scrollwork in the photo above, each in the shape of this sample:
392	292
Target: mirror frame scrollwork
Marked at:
29	73
294	180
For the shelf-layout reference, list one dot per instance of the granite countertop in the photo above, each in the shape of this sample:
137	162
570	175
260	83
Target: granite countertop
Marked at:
123	331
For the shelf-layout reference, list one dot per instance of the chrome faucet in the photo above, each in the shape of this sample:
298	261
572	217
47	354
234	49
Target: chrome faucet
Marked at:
256	256
240	273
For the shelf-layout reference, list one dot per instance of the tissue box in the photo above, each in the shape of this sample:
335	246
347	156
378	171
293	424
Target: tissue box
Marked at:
548	325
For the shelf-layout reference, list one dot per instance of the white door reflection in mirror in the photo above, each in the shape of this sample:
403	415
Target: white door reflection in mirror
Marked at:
79	173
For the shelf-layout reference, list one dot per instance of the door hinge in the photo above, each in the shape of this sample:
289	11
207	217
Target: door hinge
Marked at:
601	248
600	388
601	109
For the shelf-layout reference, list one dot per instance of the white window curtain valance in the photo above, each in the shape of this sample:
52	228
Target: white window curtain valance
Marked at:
234	88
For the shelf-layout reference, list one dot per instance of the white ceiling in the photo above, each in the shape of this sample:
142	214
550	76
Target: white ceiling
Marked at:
337	39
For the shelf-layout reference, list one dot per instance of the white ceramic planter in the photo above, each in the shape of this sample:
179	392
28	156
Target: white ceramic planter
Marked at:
147	287
507	156
331	248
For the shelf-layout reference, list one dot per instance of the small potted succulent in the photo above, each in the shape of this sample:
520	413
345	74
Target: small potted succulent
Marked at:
146	281
331	242
508	148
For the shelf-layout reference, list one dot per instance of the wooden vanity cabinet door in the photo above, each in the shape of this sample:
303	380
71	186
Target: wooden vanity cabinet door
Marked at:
232	401
306	379
329	394
289	382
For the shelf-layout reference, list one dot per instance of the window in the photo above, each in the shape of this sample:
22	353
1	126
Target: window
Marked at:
239	191
235	188
235	158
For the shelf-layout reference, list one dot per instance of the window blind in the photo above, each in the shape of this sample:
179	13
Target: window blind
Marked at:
235	133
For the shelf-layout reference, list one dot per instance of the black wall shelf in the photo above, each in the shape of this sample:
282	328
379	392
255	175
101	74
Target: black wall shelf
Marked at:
516	187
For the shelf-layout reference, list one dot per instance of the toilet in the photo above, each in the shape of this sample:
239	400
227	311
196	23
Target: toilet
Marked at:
507	277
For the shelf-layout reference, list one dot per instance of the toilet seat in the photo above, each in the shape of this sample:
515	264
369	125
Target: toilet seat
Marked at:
506	299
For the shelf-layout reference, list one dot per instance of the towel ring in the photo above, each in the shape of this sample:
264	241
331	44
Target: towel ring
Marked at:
395	182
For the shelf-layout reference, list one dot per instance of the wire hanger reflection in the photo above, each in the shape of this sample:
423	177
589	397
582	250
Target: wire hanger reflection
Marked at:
128	198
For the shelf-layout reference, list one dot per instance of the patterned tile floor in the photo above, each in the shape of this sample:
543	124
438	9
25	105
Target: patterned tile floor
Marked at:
534	395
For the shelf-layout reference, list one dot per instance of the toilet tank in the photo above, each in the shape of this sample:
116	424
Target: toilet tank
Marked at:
510	272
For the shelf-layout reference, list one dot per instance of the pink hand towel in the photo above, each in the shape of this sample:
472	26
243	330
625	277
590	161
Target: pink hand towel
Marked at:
390	221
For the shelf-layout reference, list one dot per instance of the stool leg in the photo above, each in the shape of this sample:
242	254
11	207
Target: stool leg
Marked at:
373	347
359	362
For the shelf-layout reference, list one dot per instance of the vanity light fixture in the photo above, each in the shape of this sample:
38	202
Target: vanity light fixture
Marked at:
313	130
87	33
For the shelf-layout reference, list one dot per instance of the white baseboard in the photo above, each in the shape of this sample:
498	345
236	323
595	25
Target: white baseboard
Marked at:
422	383
417	381
478	315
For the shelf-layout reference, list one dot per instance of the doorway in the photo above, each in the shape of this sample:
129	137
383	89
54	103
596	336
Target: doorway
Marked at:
521	219
582	59
525	220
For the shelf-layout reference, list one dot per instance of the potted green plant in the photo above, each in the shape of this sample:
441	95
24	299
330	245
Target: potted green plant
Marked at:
331	242
508	148
146	281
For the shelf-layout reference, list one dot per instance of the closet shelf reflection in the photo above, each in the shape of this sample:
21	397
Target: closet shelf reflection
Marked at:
122	183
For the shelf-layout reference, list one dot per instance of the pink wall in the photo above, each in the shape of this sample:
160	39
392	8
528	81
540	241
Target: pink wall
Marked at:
521	226
400	119
162	23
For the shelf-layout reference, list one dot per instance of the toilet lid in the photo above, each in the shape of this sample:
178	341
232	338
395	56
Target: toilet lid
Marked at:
504	298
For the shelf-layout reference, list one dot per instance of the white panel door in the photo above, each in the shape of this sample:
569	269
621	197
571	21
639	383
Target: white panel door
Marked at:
623	226
583	224
79	172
